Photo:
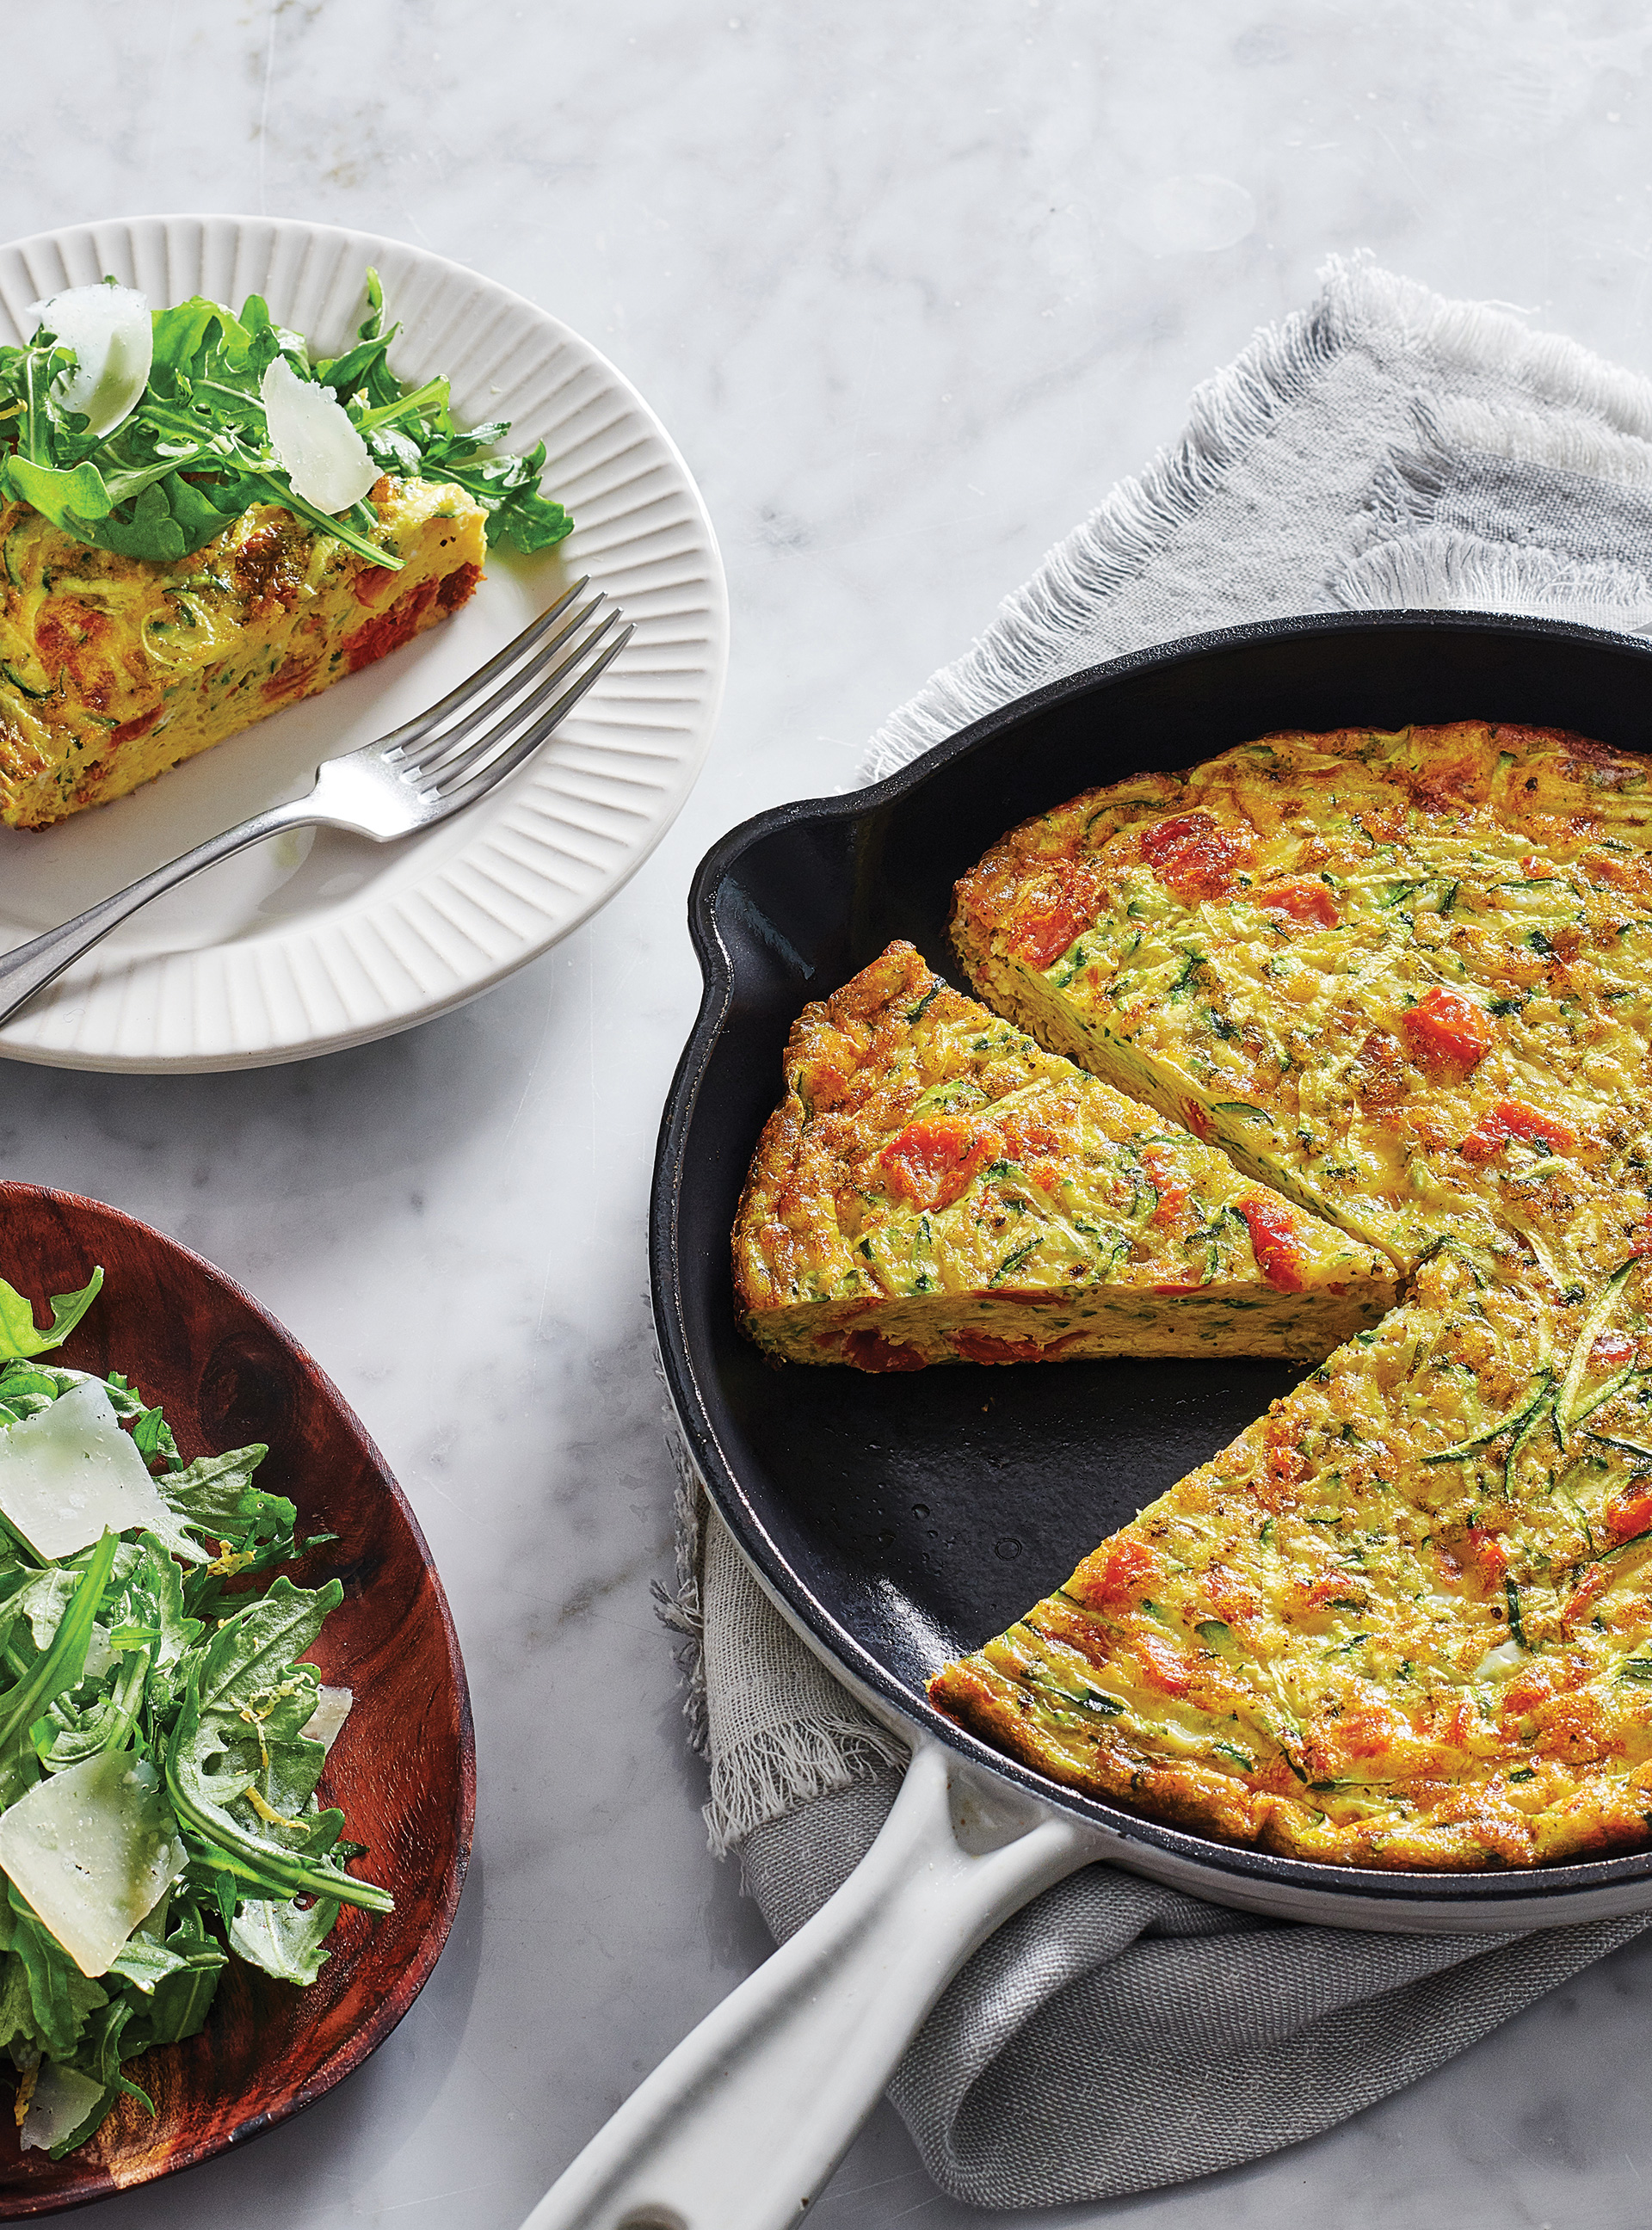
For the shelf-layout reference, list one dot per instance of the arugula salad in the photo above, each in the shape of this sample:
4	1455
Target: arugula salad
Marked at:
148	431
160	1743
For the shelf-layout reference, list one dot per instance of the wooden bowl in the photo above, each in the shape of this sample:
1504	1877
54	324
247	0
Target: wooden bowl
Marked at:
403	1770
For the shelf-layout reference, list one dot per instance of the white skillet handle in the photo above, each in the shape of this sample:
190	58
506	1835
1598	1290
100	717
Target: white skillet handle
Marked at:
741	2126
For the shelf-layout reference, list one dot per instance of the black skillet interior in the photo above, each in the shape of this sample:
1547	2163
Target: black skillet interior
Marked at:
907	1518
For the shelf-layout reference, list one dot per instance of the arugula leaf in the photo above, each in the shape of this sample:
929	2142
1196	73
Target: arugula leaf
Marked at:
65	497
180	2001
195	452
167	520
175	1972
18	1335
152	1436
61	1998
214	1496
239	1768
102	1652
149	1429
507	488
163	1990
283	1938
68	1734
22	1377
59	1667
154	1605
42	1600
181	335
99	2053
16	2008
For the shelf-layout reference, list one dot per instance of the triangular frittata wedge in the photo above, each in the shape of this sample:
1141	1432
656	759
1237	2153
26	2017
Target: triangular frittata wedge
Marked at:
934	1187
1391	974
1406	1620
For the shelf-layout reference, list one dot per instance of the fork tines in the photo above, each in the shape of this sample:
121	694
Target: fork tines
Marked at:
476	734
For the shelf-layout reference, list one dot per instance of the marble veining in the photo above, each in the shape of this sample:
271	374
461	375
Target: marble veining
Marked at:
911	287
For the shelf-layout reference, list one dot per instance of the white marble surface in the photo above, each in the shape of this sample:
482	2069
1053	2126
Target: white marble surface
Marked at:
912	285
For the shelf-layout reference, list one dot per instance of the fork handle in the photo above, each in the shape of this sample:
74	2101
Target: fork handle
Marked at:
28	968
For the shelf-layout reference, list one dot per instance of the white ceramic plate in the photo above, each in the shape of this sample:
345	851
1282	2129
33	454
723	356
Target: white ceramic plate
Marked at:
309	944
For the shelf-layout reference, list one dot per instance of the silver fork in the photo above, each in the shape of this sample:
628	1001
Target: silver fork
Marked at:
417	775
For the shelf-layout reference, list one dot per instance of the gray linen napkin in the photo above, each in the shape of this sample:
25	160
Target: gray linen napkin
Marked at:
1383	449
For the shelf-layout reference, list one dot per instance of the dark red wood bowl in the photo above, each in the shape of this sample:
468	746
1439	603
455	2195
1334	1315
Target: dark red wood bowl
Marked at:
403	1770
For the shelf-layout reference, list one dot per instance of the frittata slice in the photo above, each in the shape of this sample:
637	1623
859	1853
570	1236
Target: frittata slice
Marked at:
112	668
934	1187
1404	1619
1388	973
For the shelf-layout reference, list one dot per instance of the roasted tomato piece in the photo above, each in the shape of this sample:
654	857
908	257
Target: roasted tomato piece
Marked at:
1116	1575
1445	1030
1303	898
1330	1588
1488	1137
1631	1512
371	583
1163	1665
1060	909
1275	1243
1166	1176
392	627
129	730
929	1163
986	1347
1490	1554
1194	856
870	1351
1525	1691
1512	1118
1594	1584
1369	1729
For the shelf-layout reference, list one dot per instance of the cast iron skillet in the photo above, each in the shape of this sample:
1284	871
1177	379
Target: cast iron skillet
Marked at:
899	1520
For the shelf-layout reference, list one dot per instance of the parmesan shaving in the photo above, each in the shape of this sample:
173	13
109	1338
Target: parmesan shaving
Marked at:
62	2099
93	1849
321	451
325	1722
111	334
69	1471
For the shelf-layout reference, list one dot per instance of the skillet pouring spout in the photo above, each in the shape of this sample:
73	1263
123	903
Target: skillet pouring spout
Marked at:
741	2126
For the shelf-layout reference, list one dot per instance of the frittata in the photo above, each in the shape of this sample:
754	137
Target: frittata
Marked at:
1406	1619
934	1187
114	668
1387	973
